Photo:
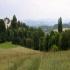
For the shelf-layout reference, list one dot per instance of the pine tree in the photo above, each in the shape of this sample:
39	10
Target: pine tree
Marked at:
14	22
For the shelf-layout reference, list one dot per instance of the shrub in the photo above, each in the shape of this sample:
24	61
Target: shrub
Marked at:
54	48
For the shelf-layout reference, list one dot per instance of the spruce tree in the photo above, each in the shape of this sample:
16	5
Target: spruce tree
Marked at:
14	22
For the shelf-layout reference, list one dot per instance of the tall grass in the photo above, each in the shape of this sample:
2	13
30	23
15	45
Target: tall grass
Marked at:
20	58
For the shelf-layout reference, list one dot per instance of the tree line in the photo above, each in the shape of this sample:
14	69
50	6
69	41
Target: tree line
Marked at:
34	38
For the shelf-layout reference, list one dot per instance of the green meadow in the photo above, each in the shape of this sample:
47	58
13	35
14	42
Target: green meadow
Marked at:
19	58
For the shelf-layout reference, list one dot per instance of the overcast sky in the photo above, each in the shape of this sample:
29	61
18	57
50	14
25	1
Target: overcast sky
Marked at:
35	9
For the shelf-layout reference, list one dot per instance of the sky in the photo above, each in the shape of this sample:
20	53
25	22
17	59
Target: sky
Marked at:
35	9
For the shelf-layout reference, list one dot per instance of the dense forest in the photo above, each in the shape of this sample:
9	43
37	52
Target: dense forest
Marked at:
35	38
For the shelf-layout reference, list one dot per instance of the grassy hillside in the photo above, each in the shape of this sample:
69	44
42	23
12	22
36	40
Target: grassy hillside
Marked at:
19	58
7	45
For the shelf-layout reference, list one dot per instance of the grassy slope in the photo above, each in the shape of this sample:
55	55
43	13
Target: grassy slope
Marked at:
7	45
20	58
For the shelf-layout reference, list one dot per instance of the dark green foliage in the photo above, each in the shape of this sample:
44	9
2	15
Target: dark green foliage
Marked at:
60	41
60	25
21	34
46	43
15	39
29	43
36	40
50	40
66	40
54	48
2	31
41	44
14	22
2	26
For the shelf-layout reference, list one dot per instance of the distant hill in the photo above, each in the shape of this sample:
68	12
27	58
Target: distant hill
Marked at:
37	23
46	25
64	26
54	27
46	28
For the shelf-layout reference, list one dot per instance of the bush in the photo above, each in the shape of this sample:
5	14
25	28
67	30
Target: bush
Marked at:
54	48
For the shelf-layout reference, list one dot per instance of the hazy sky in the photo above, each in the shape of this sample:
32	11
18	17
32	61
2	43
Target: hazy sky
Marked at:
35	9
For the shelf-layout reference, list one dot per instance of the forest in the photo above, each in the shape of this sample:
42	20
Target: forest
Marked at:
35	38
